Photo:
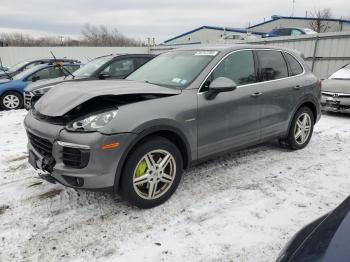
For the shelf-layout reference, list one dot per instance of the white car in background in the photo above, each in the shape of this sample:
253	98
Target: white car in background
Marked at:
336	91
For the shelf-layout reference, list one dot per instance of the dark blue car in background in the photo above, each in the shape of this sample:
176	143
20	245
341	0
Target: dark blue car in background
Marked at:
11	89
289	32
29	64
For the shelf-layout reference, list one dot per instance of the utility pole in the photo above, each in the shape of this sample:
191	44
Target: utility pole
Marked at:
293	8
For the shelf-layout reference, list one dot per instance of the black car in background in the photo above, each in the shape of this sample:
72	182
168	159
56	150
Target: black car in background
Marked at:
114	66
327	239
28	64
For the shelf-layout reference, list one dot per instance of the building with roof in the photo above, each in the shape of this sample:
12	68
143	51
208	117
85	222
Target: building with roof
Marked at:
211	34
214	34
334	25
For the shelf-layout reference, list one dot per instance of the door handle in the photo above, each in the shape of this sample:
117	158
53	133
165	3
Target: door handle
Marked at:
297	87
256	94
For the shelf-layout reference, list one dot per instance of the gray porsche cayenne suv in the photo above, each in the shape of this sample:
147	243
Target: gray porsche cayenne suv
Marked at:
136	136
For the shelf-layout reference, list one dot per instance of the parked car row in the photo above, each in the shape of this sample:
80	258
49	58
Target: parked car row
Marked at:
112	66
12	88
21	86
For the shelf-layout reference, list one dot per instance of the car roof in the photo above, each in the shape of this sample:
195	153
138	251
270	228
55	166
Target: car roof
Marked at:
230	47
119	55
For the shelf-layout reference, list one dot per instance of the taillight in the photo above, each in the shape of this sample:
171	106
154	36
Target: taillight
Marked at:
319	84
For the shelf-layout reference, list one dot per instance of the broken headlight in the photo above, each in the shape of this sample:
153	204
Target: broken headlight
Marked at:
93	122
42	91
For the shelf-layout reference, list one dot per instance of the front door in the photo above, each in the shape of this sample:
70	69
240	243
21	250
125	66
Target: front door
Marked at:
231	119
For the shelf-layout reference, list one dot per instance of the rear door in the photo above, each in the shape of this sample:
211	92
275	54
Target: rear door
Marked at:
280	92
231	119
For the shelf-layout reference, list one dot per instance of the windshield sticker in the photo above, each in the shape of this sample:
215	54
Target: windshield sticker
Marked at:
207	53
183	82
176	80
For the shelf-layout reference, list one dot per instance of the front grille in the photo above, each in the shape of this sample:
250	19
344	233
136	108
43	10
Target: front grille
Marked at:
74	157
335	95
43	146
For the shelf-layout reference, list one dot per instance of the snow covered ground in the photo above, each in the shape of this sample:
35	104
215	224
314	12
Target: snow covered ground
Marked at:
241	207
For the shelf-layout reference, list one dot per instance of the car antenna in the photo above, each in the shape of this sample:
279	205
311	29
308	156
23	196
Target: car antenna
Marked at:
6	73
63	69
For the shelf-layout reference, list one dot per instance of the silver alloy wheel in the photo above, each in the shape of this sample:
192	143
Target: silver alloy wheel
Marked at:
154	174
11	101
302	128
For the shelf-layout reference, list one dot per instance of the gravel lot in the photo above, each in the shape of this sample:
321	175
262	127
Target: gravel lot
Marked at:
241	207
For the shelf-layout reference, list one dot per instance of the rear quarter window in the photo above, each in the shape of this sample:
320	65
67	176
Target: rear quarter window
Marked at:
294	66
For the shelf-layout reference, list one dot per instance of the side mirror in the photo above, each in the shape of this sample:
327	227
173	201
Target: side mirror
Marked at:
35	78
103	76
220	84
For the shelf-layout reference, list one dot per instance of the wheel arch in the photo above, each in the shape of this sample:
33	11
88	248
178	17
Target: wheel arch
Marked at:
310	103
171	133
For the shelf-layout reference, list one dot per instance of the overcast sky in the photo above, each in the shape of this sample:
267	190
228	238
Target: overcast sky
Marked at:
161	19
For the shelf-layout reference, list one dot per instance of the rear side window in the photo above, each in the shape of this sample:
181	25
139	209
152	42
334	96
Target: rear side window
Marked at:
284	32
272	65
294	66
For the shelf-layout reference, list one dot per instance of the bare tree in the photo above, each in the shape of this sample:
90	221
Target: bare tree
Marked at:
91	36
320	24
102	36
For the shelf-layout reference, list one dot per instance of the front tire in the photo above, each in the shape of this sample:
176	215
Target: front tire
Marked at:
301	129
152	173
11	100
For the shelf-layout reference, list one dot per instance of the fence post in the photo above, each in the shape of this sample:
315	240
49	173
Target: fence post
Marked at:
315	53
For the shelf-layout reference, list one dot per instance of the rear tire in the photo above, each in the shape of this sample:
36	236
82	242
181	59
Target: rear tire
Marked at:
301	130
152	172
11	100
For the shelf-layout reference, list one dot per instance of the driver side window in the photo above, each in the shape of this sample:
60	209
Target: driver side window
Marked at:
46	73
119	68
238	66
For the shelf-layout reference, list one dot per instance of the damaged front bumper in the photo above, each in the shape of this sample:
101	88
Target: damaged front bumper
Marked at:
335	102
74	159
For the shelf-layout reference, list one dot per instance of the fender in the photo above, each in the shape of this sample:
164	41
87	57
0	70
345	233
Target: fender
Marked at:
142	134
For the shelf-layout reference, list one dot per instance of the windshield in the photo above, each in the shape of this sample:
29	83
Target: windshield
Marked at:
174	69
88	69
343	73
24	73
18	66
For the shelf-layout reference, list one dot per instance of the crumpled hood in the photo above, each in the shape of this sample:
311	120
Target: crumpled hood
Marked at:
43	83
66	96
337	86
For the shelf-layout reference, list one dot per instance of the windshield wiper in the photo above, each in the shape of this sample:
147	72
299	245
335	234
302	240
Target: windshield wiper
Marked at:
6	73
62	68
